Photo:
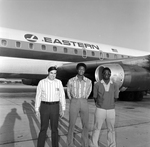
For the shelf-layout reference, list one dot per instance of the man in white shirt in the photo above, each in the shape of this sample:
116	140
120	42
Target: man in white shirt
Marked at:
49	97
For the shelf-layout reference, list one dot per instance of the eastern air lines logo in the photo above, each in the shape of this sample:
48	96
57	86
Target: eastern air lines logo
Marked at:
31	37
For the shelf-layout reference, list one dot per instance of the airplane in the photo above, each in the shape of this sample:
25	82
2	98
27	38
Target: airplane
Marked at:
27	56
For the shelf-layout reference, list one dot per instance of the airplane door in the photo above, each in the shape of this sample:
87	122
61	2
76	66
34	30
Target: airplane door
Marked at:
84	53
101	55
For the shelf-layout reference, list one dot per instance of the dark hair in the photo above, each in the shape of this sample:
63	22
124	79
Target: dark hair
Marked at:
106	68
80	64
52	68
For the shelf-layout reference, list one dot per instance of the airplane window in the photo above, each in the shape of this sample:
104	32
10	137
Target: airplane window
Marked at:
84	55
93	53
107	55
18	44
4	42
43	47
55	48
65	50
75	51
31	45
115	56
101	55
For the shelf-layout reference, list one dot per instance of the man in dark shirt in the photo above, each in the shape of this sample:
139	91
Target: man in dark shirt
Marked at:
105	94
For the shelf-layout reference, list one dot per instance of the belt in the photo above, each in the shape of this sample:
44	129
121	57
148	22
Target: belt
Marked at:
78	98
50	103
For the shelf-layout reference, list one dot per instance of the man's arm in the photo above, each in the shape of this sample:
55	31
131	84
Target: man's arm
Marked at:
62	97
89	89
95	91
38	98
62	100
69	89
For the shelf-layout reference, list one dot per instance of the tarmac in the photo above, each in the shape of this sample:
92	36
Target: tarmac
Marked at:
19	127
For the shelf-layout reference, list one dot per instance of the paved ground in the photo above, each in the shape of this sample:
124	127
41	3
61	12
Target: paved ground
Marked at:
19	127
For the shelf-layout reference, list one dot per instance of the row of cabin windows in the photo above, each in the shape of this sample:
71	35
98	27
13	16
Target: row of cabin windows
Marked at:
43	47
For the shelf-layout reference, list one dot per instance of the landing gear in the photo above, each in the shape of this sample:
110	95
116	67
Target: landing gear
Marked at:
131	96
139	96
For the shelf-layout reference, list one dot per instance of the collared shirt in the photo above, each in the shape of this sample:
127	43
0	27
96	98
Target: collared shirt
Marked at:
50	91
105	94
79	89
106	86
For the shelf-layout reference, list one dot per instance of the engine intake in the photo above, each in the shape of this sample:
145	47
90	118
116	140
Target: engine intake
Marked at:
127	77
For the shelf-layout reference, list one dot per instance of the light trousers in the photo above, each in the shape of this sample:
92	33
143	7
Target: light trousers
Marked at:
102	115
78	106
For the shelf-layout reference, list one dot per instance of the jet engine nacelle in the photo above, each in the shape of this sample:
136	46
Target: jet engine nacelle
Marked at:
128	77
32	82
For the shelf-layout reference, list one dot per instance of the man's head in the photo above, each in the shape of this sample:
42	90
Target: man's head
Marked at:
106	73
52	71
81	68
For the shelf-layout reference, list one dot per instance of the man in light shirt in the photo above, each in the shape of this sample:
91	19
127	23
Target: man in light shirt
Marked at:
49	97
78	90
105	94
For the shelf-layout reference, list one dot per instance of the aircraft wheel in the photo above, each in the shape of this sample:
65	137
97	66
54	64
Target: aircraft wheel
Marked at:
126	96
138	96
130	96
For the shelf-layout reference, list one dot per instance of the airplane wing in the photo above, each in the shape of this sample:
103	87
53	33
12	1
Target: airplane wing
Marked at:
92	66
128	73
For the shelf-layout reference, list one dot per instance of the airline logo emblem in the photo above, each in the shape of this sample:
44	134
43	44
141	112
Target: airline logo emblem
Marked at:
30	37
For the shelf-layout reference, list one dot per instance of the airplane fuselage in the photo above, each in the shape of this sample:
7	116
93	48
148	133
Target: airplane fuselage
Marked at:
28	55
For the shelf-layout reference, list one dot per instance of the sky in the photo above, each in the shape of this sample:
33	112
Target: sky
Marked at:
124	23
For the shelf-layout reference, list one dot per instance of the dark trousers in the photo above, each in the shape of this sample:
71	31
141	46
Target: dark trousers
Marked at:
49	112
